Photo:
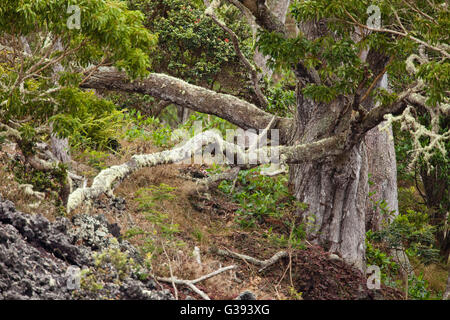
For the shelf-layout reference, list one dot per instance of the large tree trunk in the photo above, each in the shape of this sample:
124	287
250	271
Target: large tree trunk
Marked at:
335	189
336	193
280	9
383	171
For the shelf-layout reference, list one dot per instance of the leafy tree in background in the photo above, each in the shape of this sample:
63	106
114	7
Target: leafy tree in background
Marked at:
41	59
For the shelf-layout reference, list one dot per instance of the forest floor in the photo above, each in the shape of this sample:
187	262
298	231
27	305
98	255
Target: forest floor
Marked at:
162	213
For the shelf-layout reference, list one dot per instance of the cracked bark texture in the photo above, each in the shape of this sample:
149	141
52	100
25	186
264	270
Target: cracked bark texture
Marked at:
239	112
335	189
383	171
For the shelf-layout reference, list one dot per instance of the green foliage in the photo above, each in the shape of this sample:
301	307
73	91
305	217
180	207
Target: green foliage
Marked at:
412	232
336	54
259	196
28	139
96	159
161	137
418	288
207	122
376	256
281	98
294	294
403	146
408	199
434	168
153	196
89	281
148	129
139	126
191	46
295	238
379	205
110	265
30	87
107	27
49	181
341	56
88	122
119	260
151	201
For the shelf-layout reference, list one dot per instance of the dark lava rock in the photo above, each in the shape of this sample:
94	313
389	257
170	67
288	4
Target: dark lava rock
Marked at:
35	256
246	295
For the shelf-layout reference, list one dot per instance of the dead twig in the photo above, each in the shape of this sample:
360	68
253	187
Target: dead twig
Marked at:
191	283
261	263
171	272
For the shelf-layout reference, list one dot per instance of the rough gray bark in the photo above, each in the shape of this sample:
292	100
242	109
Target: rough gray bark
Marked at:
335	189
334	183
323	130
383	171
60	149
336	192
239	112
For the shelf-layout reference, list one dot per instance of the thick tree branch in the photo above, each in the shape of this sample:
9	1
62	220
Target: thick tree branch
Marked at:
239	112
263	15
109	178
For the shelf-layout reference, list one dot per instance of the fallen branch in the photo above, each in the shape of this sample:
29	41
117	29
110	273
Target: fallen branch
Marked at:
261	263
191	283
216	179
171	272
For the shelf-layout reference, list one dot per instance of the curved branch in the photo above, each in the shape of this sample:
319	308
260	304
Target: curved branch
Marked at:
239	112
109	178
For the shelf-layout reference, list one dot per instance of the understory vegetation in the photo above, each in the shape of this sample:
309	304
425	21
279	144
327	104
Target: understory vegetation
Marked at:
176	221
